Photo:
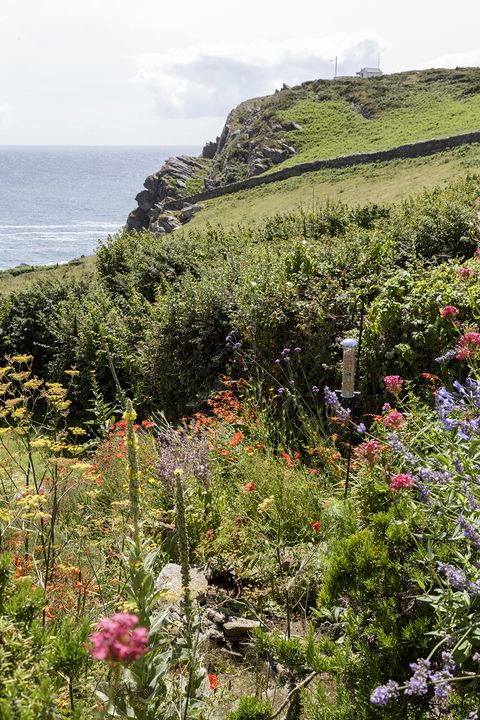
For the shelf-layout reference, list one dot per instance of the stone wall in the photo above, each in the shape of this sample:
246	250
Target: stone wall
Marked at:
411	150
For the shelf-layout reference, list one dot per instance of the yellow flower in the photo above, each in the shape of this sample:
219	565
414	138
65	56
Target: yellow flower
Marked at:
22	359
266	504
5	370
72	372
82	466
77	431
11	402
34	384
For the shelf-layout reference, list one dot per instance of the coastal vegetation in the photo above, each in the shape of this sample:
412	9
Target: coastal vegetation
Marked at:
175	408
194	523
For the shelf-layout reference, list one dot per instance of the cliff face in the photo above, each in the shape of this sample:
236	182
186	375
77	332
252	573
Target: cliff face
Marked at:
315	121
252	141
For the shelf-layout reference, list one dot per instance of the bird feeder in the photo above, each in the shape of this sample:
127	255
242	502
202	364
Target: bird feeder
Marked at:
349	346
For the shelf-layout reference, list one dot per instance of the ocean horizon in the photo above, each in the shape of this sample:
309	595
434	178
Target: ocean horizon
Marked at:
58	201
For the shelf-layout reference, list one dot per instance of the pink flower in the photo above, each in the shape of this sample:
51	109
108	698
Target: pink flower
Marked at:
394	420
393	383
467	345
401	481
450	311
465	273
119	638
371	451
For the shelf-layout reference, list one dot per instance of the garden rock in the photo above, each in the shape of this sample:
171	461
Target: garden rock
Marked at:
170	580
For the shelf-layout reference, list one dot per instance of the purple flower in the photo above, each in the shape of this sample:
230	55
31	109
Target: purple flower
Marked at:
315	390
298	350
361	428
281	390
450	355
455	577
331	399
470	532
418	683
384	693
183	450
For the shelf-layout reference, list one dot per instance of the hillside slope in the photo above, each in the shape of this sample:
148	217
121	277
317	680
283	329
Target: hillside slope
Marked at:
317	120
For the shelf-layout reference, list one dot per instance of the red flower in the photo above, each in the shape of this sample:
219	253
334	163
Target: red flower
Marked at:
210	534
214	681
316	525
401	481
238	437
393	383
249	487
449	311
147	424
287	458
466	273
394	420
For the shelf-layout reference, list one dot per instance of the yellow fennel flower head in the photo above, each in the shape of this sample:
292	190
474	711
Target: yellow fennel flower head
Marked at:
77	431
20	376
129	413
5	370
72	372
21	359
34	384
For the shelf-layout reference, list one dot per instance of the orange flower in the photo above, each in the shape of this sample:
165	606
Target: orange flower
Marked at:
238	437
316	525
287	458
214	681
249	487
249	450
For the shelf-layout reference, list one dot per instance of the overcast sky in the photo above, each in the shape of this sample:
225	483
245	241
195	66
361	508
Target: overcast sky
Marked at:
166	72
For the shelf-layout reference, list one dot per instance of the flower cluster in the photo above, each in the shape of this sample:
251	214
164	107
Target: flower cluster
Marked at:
468	346
371	451
394	384
342	414
119	639
460	409
449	311
402	481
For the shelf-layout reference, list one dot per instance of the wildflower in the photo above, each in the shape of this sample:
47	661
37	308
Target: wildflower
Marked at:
465	273
281	390
449	311
394	420
394	384
315	390
468	345
287	458
371	451
297	350
119	639
249	487
401	481
417	685
361	428
266	504
249	450
238	437
210	534
449	355
384	693
316	525
214	682
331	399
470	532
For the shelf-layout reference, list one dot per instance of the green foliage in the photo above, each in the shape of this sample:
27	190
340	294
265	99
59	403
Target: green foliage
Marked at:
250	708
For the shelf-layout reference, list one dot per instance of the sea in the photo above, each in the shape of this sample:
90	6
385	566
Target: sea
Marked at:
56	203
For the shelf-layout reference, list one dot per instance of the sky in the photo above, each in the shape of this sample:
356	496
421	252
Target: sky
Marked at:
167	72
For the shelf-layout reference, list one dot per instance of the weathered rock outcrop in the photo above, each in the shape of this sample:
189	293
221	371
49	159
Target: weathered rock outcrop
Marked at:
178	177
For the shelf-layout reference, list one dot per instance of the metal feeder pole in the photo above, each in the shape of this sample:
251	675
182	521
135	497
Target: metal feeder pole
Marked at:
352	350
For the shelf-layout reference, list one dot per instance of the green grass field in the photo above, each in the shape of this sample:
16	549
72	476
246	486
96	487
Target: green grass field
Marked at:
337	128
19	278
381	182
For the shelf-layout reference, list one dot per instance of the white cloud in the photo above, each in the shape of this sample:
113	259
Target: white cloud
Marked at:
5	111
468	58
210	79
